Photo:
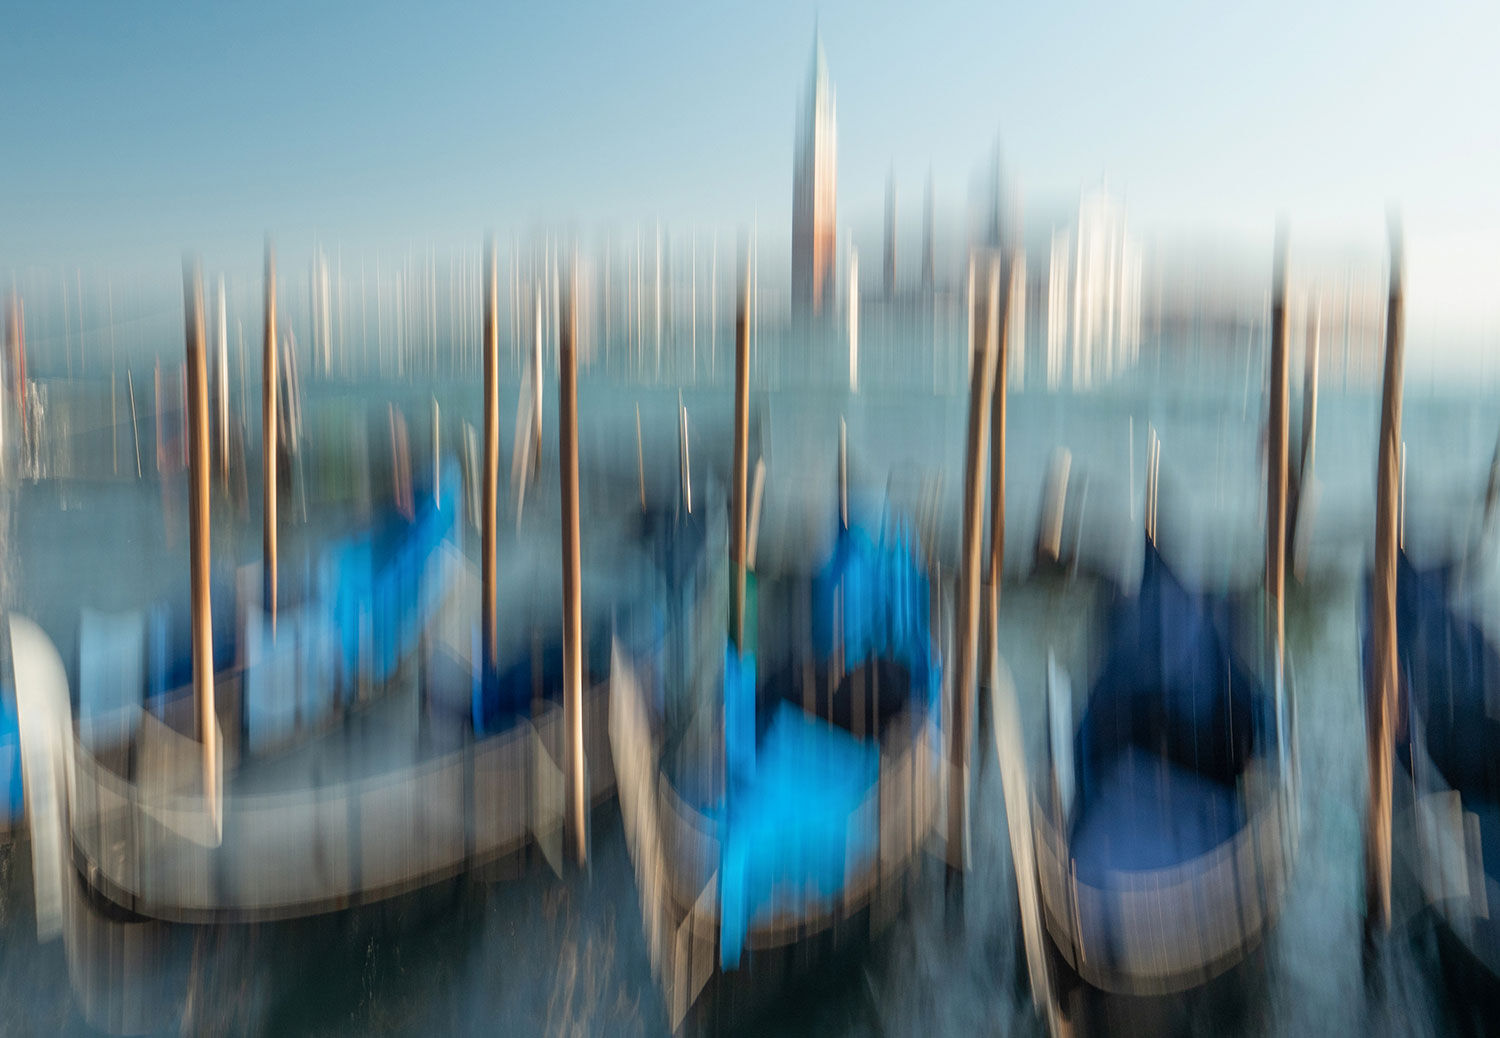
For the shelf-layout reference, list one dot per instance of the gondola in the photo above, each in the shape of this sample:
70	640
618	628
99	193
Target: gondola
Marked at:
1162	843
351	620
792	796
1447	736
1432	706
464	758
457	765
1163	849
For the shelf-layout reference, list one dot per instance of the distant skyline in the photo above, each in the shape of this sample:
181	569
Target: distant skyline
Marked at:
133	132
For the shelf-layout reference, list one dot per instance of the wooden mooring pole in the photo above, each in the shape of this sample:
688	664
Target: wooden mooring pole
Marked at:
981	382
1276	460
843	472
15	357
1011	263
222	382
1308	451
489	505
199	545
269	383
135	425
1381	682
739	531
1299	511
567	438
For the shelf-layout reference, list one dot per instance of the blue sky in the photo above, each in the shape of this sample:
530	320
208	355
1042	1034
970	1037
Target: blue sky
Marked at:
132	131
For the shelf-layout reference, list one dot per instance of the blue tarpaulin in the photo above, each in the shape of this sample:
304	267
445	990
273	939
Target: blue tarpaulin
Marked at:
369	597
739	716
1172	722
1451	673
500	697
885	606
787	831
12	801
787	826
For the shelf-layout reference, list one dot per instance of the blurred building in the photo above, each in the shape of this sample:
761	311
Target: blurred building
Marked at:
815	197
1089	292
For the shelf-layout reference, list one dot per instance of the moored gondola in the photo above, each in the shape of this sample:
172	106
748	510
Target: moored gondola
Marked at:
778	779
809	809
1171	855
1447	804
1432	696
1162	841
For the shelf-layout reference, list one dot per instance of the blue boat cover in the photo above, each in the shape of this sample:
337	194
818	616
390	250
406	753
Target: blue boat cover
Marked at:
1451	672
399	603
1149	814
169	645
1171	723
739	716
12	799
792	790
366	590
501	697
787	830
886	606
158	652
